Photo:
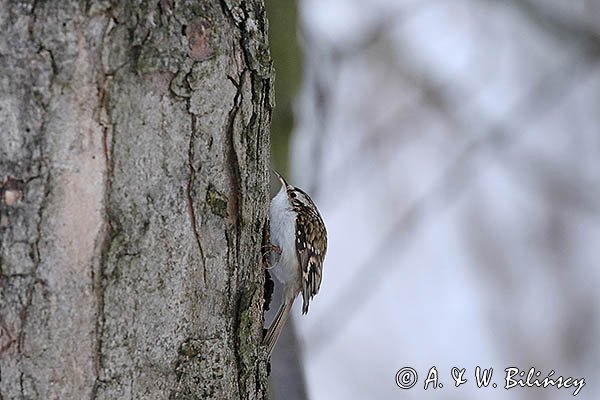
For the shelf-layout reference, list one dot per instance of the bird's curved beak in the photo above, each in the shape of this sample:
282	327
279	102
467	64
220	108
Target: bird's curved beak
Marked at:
281	179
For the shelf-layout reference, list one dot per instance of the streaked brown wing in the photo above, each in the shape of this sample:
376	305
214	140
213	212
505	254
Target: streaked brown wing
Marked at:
311	245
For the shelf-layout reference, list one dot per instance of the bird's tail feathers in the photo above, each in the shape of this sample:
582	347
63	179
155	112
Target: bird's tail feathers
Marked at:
277	326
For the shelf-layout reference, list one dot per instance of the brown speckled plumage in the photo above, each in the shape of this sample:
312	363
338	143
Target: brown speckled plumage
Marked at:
299	235
311	243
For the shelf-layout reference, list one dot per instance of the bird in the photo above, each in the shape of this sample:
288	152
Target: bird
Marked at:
298	247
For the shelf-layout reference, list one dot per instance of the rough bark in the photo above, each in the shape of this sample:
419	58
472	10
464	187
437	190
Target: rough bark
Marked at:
134	170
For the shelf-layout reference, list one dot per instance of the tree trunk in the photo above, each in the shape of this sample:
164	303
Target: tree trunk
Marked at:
134	196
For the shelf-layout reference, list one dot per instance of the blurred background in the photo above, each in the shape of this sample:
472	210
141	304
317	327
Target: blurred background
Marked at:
453	149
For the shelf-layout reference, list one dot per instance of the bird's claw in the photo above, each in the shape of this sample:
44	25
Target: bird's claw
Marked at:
270	248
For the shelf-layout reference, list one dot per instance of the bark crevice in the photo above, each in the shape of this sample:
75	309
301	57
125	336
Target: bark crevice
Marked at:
106	232
36	258
190	200
236	209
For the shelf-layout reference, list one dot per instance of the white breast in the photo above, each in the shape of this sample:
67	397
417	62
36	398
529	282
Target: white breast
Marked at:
283	226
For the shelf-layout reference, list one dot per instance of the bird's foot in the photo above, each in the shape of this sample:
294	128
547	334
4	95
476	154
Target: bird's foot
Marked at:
270	248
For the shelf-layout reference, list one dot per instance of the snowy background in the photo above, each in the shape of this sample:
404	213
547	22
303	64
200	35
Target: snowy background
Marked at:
453	148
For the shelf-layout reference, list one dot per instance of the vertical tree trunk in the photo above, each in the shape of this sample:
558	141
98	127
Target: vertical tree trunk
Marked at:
133	176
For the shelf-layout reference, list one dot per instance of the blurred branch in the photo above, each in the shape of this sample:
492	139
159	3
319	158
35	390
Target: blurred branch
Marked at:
560	27
330	62
322	103
569	193
436	94
546	94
